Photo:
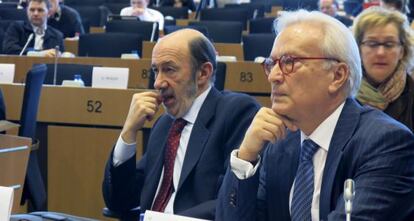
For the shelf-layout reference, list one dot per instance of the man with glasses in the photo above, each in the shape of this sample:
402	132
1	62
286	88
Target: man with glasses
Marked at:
35	34
296	155
139	8
189	146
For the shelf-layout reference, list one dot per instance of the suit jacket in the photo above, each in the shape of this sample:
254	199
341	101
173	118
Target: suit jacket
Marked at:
18	33
69	22
219	128
367	146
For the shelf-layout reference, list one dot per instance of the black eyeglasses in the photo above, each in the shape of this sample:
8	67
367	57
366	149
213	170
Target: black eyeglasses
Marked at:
374	45
287	63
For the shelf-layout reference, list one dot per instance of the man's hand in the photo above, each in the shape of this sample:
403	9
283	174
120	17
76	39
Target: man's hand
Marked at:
266	126
137	11
143	107
50	53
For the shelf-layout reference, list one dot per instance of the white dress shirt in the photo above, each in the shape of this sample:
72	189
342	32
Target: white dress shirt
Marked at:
148	15
322	136
39	35
123	151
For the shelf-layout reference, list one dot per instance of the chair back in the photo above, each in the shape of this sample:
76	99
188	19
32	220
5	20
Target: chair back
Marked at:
255	45
172	28
31	97
68	71
34	188
261	25
220	76
177	13
94	15
109	44
148	30
13	14
222	31
255	10
226	14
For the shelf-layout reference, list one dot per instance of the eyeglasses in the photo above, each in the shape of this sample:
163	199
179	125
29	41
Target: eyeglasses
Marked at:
287	63
374	45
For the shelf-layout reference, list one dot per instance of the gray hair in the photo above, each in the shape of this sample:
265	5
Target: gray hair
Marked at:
338	41
201	51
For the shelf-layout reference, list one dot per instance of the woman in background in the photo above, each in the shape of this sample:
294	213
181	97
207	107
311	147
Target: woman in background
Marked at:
386	43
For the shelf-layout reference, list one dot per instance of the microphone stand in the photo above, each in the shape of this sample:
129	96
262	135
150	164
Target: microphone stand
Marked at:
349	194
55	64
29	39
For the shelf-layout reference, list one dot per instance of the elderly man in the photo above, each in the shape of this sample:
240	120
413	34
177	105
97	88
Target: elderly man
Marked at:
139	8
320	137
330	7
189	146
66	19
34	34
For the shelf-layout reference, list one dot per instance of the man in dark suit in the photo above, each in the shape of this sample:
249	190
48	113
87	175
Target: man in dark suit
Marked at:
320	137
65	19
213	124
44	39
330	7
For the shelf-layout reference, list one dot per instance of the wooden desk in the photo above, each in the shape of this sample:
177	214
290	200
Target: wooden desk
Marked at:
247	77
139	70
13	164
83	125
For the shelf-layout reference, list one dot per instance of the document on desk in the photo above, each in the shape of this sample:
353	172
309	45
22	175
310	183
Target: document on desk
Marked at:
157	216
7	73
6	202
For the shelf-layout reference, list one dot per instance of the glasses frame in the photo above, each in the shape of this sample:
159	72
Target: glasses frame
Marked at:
376	44
285	71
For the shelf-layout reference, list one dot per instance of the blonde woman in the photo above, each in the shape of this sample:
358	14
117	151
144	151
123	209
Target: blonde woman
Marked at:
386	46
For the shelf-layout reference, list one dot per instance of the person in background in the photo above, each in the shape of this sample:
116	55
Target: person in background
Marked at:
139	8
296	155
189	146
386	45
400	5
66	19
330	7
44	38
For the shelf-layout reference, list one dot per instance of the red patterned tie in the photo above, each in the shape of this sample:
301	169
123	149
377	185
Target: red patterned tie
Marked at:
167	187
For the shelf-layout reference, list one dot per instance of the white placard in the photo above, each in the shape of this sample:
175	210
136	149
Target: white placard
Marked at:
6	202
7	73
157	216
105	77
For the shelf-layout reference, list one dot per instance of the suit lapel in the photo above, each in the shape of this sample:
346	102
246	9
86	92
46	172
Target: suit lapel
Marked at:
347	124
199	135
156	158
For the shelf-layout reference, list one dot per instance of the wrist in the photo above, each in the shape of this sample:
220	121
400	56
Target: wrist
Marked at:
247	155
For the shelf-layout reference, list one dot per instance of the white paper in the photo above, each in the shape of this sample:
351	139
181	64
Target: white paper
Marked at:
106	77
6	202
157	216
7	73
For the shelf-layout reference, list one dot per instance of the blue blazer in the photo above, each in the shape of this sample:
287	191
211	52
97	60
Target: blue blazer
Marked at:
374	150
219	128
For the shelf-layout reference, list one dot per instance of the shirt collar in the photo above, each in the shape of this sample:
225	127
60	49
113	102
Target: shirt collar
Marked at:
322	135
191	115
36	27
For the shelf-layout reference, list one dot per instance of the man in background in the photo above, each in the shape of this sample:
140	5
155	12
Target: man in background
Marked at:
34	33
330	7
139	9
66	19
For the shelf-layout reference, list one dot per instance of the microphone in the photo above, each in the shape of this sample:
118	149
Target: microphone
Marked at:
55	64
154	26
27	43
349	194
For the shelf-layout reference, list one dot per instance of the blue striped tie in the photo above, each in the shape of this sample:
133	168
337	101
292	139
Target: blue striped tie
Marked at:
303	191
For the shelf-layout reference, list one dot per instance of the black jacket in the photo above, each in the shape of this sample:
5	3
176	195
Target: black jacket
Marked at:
69	22
18	33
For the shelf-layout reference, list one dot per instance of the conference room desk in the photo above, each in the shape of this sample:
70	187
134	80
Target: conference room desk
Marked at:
81	127
77	128
139	70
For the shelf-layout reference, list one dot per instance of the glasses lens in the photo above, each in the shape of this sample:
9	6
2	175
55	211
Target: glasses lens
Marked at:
268	65
286	64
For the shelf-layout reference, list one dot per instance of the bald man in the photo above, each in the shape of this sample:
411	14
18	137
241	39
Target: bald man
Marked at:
209	124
